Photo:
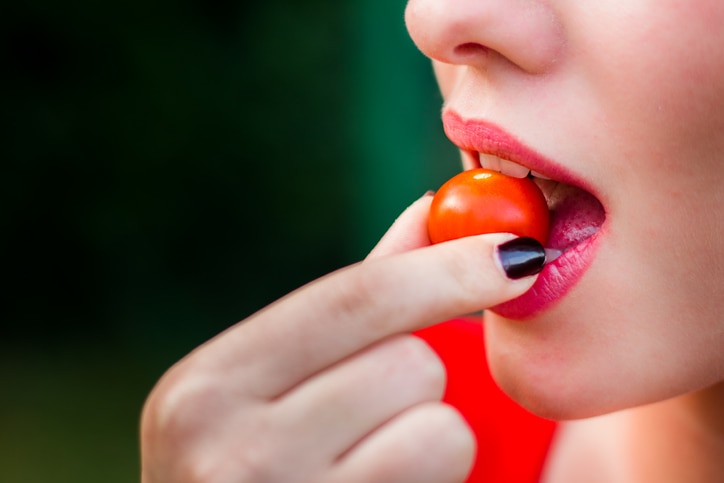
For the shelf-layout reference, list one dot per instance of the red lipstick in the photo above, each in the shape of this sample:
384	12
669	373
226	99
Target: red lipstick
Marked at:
576	214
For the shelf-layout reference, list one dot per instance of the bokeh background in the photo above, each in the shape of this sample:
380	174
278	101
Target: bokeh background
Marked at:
170	167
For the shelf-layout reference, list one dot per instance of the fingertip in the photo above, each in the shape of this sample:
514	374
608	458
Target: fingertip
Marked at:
430	442
506	265
521	257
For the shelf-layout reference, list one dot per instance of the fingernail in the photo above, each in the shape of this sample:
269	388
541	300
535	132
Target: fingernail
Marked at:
521	257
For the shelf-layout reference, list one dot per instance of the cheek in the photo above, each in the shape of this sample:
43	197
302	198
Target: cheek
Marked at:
668	120
662	71
659	90
447	76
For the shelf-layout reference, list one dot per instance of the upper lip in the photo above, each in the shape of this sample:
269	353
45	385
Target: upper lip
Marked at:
485	137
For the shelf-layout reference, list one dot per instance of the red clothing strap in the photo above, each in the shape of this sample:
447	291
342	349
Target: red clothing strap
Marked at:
512	442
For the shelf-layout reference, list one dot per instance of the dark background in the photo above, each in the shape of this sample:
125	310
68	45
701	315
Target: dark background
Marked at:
170	167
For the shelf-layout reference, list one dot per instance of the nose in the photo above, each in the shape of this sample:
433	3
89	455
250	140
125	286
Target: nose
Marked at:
527	33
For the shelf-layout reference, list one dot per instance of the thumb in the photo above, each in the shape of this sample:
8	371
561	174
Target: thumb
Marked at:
409	230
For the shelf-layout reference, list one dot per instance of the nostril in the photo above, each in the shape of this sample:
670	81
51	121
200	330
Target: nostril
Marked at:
471	49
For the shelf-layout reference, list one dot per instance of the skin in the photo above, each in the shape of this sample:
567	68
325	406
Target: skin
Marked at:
630	98
326	386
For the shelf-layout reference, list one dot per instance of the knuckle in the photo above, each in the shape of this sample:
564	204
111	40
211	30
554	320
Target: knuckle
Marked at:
421	363
172	423
459	438
189	408
448	427
357	295
471	274
214	466
173	406
447	416
361	300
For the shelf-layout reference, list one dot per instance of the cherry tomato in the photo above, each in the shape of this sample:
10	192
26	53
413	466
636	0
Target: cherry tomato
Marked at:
481	201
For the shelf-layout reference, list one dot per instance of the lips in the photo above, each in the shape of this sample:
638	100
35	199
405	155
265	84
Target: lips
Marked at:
576	213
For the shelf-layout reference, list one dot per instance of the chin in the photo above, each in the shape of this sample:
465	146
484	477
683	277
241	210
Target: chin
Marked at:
579	360
552	366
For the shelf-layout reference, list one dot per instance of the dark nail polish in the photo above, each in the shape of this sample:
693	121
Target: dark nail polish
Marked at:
521	257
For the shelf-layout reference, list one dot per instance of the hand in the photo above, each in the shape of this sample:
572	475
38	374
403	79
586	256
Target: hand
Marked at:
326	384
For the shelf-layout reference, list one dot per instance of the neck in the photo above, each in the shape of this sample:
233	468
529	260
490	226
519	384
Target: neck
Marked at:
680	439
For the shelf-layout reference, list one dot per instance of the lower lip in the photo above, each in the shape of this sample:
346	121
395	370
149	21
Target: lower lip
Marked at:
553	283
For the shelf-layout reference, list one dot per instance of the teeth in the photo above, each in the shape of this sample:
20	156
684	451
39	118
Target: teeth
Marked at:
494	163
512	169
488	161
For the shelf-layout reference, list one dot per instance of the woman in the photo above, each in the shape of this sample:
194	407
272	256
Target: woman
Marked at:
620	339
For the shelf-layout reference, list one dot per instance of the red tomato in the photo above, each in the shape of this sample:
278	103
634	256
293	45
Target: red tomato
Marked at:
481	201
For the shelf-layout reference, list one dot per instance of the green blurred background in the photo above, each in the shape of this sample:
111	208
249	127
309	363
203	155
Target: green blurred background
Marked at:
170	167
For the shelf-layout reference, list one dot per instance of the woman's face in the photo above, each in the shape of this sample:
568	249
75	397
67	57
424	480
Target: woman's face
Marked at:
624	101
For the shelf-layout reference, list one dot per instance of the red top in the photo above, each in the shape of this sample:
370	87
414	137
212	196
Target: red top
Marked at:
512	442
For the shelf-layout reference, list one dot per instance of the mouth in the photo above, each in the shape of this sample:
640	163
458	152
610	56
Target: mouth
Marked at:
576	213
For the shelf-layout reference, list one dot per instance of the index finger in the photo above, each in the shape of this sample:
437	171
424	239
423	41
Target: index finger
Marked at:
344	312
